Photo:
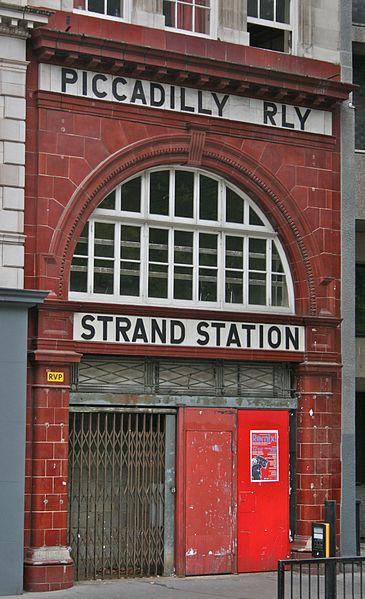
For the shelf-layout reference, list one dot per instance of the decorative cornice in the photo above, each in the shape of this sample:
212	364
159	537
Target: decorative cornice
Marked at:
19	20
145	62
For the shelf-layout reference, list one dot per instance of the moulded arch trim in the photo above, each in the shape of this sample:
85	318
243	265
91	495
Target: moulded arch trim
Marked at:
224	160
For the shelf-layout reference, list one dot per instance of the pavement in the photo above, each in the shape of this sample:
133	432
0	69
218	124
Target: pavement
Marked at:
233	586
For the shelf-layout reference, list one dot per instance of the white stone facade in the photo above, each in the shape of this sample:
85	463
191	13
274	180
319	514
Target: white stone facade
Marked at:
15	23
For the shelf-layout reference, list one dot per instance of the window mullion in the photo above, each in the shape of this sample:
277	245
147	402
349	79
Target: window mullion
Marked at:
220	274
90	282
245	271
170	268
117	252
268	271
144	264
196	266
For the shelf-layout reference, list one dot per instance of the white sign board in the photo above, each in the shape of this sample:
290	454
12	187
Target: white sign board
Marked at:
163	96
147	330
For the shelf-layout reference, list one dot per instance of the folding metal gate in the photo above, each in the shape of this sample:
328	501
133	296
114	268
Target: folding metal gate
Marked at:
116	494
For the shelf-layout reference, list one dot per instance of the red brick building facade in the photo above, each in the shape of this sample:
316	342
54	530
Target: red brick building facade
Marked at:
79	149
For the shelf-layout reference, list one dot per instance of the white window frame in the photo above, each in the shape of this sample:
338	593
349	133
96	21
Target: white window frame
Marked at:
292	26
213	24
221	228
127	12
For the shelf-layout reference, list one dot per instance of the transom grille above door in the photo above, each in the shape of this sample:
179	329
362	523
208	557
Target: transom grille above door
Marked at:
116	495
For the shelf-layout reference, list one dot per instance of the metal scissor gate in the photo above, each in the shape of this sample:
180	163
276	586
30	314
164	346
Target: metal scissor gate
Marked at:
116	494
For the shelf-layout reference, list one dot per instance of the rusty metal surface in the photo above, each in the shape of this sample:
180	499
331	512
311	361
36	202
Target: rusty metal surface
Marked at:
116	495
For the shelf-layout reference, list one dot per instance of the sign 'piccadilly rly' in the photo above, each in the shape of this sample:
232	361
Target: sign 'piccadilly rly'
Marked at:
163	96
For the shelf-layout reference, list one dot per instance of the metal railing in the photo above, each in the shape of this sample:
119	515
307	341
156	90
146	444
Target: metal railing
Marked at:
321	578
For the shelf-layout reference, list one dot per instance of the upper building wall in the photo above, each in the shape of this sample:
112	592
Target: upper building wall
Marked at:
309	28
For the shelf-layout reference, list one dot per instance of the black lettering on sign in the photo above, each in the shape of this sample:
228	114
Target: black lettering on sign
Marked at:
272	333
85	323
139	332
220	103
233	336
84	83
218	326
158	331
292	339
284	121
201	108
94	85
176	327
302	117
270	110
122	326
68	77
248	328
138	93
157	94
183	105
116	94
105	320
200	329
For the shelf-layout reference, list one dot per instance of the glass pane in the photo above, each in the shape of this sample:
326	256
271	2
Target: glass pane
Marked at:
169	13
276	265
360	299
203	3
157	280
283	11
257	254
234	287
208	206
131	195
279	291
267	9
103	278
104	240
183	247
130	243
113	8
184	194
234	207
96	6
158	249
159	192
82	245
109	202
202	20
185	17
129	278
254	218
183	283
257	289
78	275
207	285
252	8
207	249
234	252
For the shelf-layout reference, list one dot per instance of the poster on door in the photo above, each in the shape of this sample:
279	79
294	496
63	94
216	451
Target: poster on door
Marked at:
264	455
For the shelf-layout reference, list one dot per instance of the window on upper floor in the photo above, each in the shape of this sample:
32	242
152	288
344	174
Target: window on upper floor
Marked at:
360	300
269	23
181	237
107	8
195	16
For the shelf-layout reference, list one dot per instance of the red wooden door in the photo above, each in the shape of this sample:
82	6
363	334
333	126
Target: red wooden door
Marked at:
263	489
206	497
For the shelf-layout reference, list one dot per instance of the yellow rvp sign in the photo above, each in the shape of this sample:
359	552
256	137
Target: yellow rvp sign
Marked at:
55	377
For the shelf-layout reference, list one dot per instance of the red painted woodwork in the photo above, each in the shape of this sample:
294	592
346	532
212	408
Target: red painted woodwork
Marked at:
263	505
206	499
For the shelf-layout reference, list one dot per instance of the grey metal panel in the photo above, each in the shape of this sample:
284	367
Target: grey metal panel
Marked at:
14	304
175	401
169	530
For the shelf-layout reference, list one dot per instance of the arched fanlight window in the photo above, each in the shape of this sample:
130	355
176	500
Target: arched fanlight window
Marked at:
181	237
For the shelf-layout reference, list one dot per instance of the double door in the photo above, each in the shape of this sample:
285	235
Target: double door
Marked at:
233	490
